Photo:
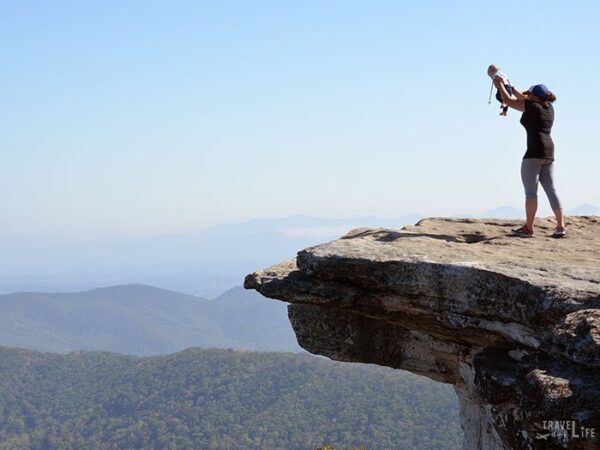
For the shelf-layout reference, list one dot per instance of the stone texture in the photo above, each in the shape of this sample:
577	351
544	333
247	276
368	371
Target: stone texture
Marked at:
512	323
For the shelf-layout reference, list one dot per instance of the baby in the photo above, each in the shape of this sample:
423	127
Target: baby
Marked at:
494	73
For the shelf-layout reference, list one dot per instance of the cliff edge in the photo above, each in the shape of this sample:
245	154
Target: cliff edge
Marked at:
512	323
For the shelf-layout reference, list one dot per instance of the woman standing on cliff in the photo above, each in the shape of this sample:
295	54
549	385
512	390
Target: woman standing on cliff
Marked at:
538	162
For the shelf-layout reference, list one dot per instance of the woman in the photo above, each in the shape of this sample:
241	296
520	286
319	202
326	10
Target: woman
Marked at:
538	162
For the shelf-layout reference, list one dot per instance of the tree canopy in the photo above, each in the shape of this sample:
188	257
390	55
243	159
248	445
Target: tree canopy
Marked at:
217	400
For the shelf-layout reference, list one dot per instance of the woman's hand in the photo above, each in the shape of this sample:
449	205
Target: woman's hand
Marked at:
513	102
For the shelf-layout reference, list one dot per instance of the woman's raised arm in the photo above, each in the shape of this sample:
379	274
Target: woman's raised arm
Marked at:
517	93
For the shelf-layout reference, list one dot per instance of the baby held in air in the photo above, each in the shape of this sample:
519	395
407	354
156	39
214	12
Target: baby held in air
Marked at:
495	73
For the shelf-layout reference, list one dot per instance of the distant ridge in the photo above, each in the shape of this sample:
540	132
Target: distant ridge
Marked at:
142	320
127	292
584	210
504	212
204	263
510	212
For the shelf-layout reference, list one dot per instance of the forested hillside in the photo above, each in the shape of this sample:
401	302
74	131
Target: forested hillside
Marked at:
217	399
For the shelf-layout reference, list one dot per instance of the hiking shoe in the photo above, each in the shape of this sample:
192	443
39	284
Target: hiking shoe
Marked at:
559	232
523	231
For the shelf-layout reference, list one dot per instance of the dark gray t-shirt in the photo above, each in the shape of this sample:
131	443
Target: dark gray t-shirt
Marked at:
538	119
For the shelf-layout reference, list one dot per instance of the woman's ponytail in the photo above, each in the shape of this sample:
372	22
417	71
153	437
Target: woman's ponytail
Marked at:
550	97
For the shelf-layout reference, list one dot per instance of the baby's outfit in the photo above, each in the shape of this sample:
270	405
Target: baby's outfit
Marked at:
509	89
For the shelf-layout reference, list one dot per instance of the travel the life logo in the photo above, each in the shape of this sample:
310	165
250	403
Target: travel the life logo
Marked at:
565	431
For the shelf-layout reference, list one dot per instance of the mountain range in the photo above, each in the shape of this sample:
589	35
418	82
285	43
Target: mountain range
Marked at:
143	320
221	399
205	263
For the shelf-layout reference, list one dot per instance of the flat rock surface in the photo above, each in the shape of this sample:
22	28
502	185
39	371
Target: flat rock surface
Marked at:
572	262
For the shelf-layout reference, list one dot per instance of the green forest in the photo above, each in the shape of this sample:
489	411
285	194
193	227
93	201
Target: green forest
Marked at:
217	400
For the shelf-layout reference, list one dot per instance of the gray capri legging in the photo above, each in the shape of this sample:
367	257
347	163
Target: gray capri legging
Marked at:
534	170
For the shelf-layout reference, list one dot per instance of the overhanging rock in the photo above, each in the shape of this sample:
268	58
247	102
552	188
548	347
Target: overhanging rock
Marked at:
512	323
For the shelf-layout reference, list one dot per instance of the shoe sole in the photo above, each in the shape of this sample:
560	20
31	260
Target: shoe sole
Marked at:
523	235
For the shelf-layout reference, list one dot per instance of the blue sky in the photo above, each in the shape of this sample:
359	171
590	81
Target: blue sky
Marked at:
131	118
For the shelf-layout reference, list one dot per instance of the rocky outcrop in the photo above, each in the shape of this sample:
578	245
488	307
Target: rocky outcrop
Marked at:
513	323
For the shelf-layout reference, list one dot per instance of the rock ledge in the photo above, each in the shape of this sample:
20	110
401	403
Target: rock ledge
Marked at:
512	323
